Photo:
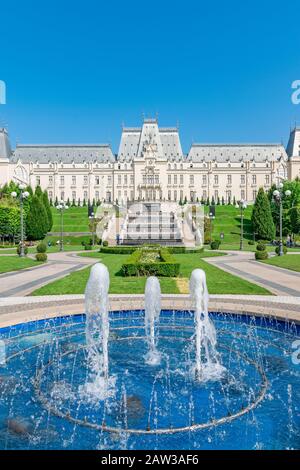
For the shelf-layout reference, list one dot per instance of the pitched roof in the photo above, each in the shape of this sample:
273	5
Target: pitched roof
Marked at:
63	153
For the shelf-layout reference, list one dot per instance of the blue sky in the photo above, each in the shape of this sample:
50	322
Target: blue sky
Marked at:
75	71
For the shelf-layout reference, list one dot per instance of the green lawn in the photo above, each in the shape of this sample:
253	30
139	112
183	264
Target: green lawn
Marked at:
219	282
75	219
287	261
14	263
228	221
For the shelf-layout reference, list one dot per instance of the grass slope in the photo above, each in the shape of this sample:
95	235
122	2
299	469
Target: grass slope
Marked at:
219	282
75	220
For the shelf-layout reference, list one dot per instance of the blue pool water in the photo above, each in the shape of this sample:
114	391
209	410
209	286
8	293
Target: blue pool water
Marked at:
255	405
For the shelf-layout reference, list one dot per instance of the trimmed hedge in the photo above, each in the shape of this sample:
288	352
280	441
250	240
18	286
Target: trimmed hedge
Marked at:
167	267
261	247
118	250
284	249
215	244
176	250
127	250
41	257
261	255
25	250
41	247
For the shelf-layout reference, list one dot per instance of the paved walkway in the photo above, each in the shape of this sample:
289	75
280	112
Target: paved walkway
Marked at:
25	281
279	281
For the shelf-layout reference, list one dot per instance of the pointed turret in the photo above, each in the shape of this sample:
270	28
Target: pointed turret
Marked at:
293	151
5	153
5	150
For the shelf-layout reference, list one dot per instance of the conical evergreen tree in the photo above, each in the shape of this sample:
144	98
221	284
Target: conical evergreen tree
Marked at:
48	210
38	192
262	221
37	220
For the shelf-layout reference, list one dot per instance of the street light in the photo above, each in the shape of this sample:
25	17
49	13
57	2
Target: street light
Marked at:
92	219
278	195
62	206
23	195
211	218
243	206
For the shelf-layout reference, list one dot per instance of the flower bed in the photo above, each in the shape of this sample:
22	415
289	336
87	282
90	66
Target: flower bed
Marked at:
147	262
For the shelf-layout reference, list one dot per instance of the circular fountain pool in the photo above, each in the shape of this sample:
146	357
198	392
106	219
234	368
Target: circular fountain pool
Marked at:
253	404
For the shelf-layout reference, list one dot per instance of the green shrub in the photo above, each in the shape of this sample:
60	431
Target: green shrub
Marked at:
118	250
105	243
251	242
284	249
184	249
165	267
25	250
41	257
215	244
41	247
261	247
260	255
87	246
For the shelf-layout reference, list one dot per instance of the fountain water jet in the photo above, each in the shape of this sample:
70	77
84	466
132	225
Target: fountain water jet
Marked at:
207	365
152	312
97	332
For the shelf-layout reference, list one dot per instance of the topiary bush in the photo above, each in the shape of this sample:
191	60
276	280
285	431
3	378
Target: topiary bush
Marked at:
41	247
105	243
41	257
215	244
261	247
261	255
25	250
251	242
284	249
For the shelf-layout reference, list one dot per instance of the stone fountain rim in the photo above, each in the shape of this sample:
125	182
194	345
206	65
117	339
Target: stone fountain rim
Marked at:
20	310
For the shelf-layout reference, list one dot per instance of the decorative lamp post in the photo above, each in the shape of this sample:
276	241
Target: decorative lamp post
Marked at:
62	206
243	206
278	195
92	221
23	195
211	218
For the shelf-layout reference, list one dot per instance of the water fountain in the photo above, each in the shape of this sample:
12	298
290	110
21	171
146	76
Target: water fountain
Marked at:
207	365
98	385
152	312
114	380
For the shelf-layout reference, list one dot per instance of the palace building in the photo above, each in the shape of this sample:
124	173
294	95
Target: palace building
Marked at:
150	166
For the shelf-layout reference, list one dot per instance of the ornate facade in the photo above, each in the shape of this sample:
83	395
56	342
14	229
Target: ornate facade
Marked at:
150	165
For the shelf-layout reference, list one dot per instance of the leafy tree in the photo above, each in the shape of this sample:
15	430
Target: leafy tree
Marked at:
10	225
48	210
223	201
288	202
295	220
262	221
37	220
